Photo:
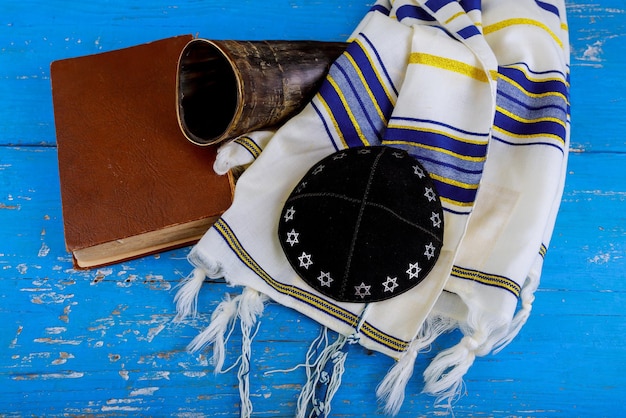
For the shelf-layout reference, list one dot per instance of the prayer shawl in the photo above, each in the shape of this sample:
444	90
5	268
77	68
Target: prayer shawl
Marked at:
477	92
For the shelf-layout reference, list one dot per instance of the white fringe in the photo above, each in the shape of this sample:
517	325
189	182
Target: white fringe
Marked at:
391	389
527	297
315	372
250	309
186	298
221	320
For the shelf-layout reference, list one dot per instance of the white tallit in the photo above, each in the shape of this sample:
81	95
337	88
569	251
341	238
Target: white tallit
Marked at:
478	93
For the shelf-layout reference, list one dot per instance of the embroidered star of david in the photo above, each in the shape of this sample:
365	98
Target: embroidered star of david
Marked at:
362	290
363	225
292	237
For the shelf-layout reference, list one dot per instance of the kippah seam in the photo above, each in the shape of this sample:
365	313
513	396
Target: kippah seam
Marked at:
421	228
358	222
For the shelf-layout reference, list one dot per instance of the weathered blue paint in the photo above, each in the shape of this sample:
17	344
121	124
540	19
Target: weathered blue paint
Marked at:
102	342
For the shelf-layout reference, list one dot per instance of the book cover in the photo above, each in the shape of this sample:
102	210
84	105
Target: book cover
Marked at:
131	183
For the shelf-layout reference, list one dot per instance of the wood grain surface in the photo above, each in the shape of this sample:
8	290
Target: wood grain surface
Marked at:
101	343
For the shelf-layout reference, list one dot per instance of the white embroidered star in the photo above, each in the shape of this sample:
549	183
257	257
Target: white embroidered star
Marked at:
436	220
397	154
325	279
413	271
362	290
430	194
301	187
430	251
364	151
339	156
292	237
289	214
390	284
418	171
305	260
318	170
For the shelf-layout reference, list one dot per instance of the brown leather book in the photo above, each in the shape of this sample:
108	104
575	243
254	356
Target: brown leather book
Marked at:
131	183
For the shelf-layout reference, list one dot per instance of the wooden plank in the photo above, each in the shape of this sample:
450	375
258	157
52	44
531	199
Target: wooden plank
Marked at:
102	342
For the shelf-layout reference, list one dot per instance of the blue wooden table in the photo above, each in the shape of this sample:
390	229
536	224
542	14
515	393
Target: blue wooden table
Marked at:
102	342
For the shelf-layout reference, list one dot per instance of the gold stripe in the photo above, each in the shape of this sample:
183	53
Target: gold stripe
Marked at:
456	183
311	299
334	121
456	202
521	21
524	120
346	106
527	136
450	65
436	131
375	68
367	88
454	16
436	149
250	145
488	279
529	94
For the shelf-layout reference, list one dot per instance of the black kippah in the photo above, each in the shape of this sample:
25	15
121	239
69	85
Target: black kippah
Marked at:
363	225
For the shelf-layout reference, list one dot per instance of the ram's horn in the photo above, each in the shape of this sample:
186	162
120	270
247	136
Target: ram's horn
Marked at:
229	88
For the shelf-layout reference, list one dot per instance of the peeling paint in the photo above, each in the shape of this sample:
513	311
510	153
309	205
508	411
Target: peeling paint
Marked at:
144	391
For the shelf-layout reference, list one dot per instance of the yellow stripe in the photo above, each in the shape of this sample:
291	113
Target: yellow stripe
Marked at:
250	145
334	121
456	202
529	94
454	182
524	120
442	150
488	279
454	16
450	65
367	88
527	136
309	298
391	97
521	21
346	106
435	131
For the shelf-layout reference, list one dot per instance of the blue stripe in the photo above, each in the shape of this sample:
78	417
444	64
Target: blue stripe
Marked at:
436	5
365	110
535	87
370	75
380	63
434	122
435	139
328	132
525	144
458	194
531	128
380	8
469	5
549	7
468	32
345	126
413	12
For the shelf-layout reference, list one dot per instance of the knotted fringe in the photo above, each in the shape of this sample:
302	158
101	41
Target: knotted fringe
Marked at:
392	388
251	308
443	378
186	298
222	320
316	374
527	297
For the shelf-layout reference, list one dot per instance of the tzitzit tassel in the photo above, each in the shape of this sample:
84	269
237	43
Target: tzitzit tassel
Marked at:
251	307
527	297
392	389
186	298
444	376
316	374
221	321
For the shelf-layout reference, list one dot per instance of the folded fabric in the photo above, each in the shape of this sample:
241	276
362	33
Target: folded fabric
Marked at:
477	93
